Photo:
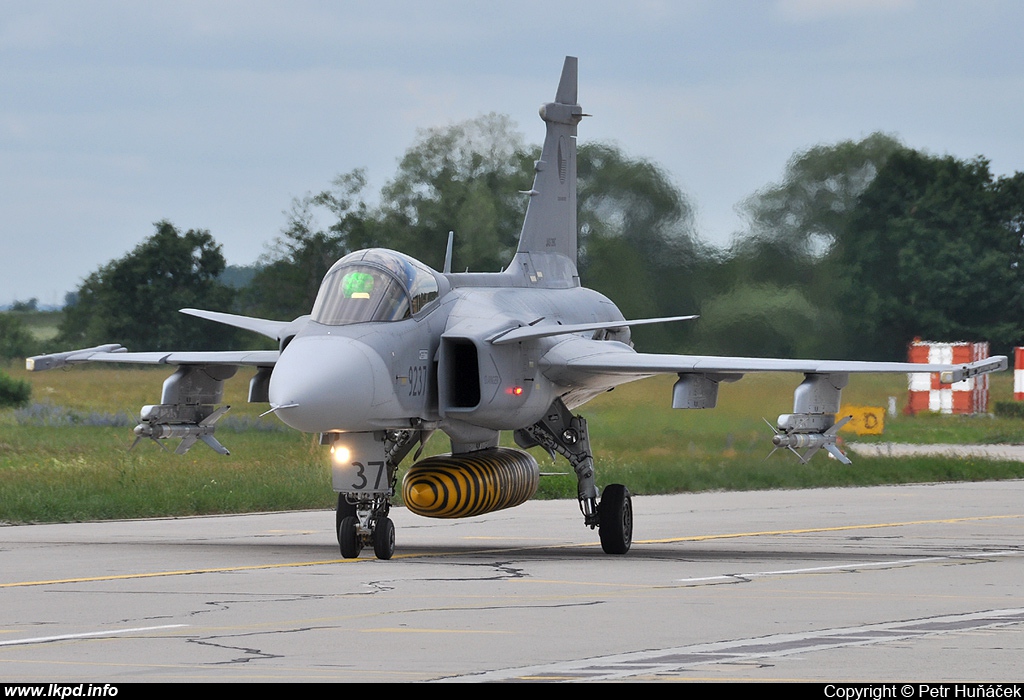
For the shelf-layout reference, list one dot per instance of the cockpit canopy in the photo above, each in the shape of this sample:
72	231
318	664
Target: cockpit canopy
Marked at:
374	285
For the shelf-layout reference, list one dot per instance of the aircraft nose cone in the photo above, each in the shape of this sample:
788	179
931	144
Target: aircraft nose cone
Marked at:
324	383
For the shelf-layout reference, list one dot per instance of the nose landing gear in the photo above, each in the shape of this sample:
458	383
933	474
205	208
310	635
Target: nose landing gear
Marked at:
361	519
364	524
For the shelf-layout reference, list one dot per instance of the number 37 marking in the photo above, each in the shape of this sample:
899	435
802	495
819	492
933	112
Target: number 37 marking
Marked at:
362	476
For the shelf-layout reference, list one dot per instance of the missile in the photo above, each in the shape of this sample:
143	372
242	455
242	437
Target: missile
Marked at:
811	442
188	432
161	431
798	441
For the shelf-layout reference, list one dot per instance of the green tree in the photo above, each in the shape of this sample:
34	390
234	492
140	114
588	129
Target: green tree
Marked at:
763	320
13	392
933	249
15	339
466	178
135	300
805	213
793	227
637	242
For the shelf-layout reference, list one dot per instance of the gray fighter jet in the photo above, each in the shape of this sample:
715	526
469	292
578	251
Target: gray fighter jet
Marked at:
394	351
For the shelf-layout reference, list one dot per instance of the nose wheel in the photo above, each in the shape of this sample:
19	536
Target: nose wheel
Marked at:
364	524
384	538
348	537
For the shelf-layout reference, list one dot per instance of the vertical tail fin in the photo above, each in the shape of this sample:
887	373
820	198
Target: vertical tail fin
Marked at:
550	225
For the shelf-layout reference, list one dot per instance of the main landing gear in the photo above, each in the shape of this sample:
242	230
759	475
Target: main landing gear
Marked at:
616	519
560	431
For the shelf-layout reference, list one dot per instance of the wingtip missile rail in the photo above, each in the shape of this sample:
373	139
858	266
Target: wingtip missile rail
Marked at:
41	363
993	364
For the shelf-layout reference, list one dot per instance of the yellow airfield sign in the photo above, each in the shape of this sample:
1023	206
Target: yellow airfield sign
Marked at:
867	420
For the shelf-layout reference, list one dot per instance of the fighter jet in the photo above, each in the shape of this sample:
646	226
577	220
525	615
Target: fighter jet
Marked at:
394	351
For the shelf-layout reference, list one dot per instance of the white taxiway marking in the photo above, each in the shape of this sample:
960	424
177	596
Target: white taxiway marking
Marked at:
677	662
842	567
83	635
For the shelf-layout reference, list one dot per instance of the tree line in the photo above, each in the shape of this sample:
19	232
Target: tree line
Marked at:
859	248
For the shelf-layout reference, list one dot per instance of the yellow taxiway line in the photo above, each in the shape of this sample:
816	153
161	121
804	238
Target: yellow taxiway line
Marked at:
667	540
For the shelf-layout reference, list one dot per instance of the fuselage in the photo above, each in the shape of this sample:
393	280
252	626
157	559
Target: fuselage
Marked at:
429	366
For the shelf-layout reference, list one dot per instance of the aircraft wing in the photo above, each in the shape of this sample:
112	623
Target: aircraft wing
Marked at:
118	354
598	365
623	361
188	400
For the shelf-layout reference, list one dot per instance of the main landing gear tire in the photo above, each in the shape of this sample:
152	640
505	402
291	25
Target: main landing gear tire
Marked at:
616	519
348	537
384	538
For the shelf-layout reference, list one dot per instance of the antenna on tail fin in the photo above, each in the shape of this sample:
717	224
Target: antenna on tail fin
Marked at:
448	253
549	229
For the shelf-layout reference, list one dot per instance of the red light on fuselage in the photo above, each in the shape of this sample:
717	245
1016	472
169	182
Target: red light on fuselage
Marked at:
515	390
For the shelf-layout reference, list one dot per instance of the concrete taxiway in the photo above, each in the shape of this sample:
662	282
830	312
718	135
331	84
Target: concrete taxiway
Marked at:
890	583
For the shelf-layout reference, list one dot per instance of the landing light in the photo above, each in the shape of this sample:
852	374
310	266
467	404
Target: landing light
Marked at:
340	454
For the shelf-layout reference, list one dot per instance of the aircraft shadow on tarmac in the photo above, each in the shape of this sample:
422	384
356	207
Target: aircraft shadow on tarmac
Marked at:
271	550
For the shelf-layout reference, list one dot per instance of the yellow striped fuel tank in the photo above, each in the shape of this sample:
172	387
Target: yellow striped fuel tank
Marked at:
474	483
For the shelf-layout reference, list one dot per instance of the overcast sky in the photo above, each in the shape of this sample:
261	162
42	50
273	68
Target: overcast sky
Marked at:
114	115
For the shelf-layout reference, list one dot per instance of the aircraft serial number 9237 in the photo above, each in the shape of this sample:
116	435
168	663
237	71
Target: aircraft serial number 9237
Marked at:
394	350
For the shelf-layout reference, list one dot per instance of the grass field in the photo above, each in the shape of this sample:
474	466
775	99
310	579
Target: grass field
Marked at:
67	458
43	325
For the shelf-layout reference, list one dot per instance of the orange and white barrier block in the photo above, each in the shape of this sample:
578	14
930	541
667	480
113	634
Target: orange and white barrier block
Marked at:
1018	374
928	394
